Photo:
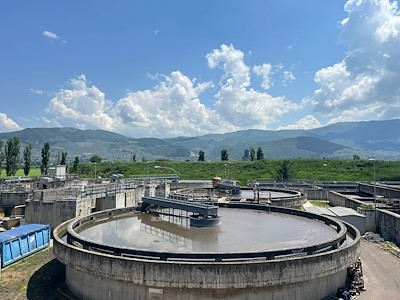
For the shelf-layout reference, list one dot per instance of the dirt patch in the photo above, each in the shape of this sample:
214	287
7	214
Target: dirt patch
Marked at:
39	276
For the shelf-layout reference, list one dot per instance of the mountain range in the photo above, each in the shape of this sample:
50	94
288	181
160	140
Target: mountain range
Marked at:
377	139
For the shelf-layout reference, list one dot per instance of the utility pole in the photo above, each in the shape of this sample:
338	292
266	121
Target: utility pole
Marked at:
326	182
376	222
225	171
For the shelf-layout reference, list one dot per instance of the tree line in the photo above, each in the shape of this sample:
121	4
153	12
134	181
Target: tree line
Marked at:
10	155
225	156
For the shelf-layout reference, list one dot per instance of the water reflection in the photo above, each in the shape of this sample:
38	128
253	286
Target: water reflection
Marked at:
241	230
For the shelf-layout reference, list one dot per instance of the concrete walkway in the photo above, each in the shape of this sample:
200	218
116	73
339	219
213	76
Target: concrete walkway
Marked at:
381	271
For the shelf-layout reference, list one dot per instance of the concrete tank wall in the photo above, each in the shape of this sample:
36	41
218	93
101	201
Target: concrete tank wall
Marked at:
93	275
110	201
382	190
370	218
316	194
84	205
337	199
130	198
43	210
11	199
102	288
48	195
389	225
53	213
295	201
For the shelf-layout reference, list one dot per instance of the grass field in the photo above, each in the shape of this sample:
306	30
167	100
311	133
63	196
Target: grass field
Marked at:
39	276
321	203
300	169
20	173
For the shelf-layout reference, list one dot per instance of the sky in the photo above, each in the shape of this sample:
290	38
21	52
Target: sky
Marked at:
188	68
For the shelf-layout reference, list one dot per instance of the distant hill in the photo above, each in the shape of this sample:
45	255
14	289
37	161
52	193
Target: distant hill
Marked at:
378	139
373	135
85	143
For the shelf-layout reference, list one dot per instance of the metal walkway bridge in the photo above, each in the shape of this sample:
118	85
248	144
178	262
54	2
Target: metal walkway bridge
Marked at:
199	208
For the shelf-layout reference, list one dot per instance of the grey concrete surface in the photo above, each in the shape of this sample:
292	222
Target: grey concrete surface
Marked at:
95	275
381	271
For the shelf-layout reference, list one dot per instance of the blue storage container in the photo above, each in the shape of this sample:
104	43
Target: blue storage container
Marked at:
22	241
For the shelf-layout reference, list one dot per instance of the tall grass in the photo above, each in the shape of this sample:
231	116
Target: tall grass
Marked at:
301	169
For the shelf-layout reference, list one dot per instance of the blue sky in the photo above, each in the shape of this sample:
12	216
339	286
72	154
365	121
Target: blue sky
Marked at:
186	68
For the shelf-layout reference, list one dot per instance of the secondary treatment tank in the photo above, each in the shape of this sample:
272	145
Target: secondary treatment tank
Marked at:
258	252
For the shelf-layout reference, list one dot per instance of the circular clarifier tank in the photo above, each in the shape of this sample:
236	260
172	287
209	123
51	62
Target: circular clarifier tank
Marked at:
258	252
241	230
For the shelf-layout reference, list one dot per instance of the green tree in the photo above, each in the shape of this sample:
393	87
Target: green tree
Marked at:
2	155
95	159
27	159
356	157
63	161
260	154
284	172
202	155
44	168
252	154
224	155
12	156
75	165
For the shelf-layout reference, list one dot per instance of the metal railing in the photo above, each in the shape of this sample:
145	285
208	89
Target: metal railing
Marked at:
334	243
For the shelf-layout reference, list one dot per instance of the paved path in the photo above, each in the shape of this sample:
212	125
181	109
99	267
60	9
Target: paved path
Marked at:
381	271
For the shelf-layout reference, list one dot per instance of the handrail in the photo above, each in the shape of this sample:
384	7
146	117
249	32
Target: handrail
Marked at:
75	239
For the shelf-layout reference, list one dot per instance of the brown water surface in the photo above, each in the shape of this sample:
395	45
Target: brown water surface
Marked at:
242	230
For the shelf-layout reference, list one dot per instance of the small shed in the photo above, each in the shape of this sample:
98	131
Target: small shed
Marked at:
342	213
58	171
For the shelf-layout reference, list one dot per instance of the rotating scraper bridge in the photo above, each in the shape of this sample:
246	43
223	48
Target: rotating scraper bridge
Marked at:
199	208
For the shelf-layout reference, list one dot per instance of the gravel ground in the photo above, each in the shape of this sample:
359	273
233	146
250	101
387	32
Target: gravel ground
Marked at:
39	276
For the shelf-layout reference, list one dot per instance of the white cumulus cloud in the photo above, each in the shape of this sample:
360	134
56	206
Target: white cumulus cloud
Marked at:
235	101
264	71
52	36
82	106
288	77
174	107
232	62
365	84
308	122
36	91
7	124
